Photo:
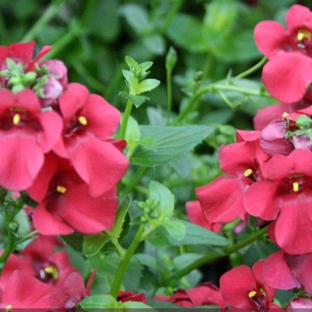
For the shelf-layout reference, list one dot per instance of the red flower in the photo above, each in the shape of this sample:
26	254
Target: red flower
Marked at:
222	200
204	294
195	215
124	296
26	135
245	288
285	197
283	271
22	290
41	272
89	123
65	204
289	70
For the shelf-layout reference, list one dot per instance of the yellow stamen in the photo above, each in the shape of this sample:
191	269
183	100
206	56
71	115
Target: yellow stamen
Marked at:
53	271
61	189
248	172
285	115
303	34
263	292
83	120
16	119
296	186
8	308
252	294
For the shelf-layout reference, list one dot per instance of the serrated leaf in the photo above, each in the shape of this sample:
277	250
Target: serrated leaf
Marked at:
147	85
172	143
194	235
175	229
92	244
161	194
187	32
137	17
99	302
75	241
149	143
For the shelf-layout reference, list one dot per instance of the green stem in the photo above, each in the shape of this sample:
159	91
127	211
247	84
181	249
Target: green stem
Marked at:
9	248
134	180
43	20
217	255
125	261
252	69
171	14
215	86
169	94
125	118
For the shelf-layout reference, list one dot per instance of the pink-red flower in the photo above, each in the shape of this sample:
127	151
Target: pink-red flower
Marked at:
203	294
288	72
89	123
222	200
286	272
245	288
26	134
64	202
284	197
40	278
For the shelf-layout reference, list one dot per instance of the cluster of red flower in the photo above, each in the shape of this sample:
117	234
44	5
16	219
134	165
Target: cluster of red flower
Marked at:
268	176
57	145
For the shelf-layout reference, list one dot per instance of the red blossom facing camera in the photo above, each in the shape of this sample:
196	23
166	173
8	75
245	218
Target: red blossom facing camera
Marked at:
26	134
289	70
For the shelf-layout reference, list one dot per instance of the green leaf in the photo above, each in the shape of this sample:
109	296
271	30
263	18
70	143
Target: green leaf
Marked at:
75	241
163	196
194	235
147	85
187	32
172	143
122	211
175	229
92	244
137	17
99	302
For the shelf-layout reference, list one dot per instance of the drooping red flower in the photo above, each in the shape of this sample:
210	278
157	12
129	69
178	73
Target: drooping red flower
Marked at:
222	200
288	72
26	134
245	288
22	290
204	294
60	285
284	197
65	204
286	272
89	123
267	114
298	304
124	296
195	215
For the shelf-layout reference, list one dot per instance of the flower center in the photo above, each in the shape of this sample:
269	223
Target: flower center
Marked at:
303	38
76	125
8	308
296	187
61	189
49	274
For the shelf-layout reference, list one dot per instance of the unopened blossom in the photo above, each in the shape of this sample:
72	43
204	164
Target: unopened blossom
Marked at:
64	202
26	134
288	72
89	123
